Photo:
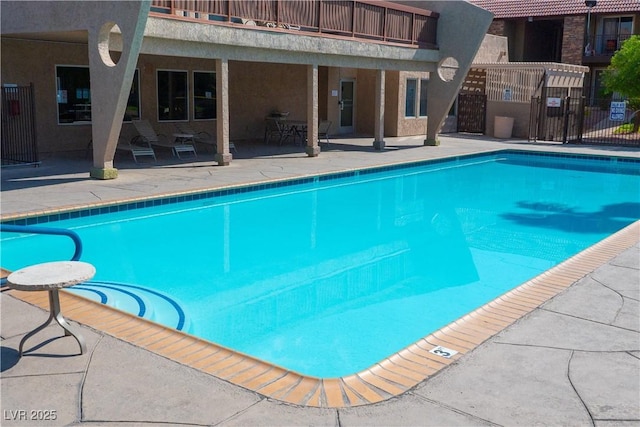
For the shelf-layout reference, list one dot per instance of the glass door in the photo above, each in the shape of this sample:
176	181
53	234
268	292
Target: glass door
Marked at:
347	105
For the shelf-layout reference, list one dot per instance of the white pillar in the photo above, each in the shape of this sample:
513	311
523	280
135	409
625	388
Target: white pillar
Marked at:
378	127
312	149
223	157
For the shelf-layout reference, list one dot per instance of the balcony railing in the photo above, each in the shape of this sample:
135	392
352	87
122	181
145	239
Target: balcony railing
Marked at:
366	20
606	44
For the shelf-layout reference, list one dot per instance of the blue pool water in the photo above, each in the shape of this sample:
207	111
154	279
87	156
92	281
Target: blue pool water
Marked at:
332	274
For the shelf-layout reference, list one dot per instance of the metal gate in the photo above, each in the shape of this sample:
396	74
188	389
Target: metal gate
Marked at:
472	112
19	143
558	119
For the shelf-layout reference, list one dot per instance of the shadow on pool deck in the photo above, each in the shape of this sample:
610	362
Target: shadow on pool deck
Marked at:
575	360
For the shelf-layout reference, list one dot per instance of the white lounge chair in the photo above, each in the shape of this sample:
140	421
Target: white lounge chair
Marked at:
137	147
323	131
147	133
202	137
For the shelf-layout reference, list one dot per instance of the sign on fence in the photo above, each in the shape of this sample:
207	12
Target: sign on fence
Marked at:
554	102
616	112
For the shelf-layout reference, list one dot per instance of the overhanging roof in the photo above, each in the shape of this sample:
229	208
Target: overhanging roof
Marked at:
535	8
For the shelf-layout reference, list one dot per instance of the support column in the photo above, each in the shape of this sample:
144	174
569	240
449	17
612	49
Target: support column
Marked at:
312	149
111	82
378	127
223	156
461	29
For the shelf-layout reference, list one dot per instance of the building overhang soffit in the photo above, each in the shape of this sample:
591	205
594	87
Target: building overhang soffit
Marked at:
186	39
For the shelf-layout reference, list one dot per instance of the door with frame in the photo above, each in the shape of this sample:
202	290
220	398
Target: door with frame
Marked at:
347	105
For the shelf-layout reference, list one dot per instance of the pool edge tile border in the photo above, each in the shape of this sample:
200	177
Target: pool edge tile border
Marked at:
388	378
31	218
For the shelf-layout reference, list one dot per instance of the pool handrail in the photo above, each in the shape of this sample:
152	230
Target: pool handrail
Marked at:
45	230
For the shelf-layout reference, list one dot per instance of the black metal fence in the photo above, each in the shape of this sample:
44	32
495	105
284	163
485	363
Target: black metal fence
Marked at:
19	144
569	120
611	123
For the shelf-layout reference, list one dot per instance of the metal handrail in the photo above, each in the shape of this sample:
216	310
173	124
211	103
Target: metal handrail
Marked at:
45	230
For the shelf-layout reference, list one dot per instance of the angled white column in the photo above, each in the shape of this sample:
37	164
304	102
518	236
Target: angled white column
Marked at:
461	29
111	82
312	149
223	156
378	126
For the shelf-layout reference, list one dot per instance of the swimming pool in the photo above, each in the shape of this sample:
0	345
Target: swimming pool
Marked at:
344	262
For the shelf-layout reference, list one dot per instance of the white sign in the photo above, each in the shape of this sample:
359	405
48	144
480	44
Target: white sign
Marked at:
616	112
554	102
441	351
334	93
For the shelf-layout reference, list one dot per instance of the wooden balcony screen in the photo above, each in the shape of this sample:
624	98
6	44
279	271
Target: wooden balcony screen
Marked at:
371	20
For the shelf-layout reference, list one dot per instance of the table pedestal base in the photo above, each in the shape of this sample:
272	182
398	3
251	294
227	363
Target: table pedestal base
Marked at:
54	309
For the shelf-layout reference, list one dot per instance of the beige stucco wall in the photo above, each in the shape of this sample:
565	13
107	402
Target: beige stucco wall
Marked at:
34	62
391	106
365	118
493	49
255	89
407	126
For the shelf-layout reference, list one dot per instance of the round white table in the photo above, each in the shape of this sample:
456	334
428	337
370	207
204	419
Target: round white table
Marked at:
52	276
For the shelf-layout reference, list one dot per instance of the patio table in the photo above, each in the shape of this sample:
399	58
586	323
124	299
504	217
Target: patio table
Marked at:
52	276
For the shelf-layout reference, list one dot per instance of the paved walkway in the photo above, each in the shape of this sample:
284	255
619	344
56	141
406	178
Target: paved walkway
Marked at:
573	361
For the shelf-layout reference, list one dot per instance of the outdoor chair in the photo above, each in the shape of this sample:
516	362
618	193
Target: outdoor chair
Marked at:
137	147
276	128
148	134
323	131
202	137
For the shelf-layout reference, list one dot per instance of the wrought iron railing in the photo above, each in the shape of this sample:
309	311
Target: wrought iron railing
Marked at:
367	20
605	44
19	143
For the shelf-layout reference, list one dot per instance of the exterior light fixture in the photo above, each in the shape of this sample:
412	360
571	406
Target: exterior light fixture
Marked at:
588	50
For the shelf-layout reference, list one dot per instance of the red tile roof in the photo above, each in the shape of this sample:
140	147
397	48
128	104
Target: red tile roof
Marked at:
523	9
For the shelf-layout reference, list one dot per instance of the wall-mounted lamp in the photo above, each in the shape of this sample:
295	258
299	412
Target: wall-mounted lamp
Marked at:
589	3
530	19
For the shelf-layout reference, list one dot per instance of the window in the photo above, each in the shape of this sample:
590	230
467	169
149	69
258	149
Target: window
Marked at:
423	97
612	32
410	101
416	98
204	95
133	103
172	95
73	95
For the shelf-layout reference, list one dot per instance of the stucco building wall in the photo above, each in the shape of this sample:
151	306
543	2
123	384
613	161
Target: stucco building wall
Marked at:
34	62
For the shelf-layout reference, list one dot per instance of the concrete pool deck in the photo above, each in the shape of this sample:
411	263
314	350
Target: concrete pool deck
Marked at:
574	360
